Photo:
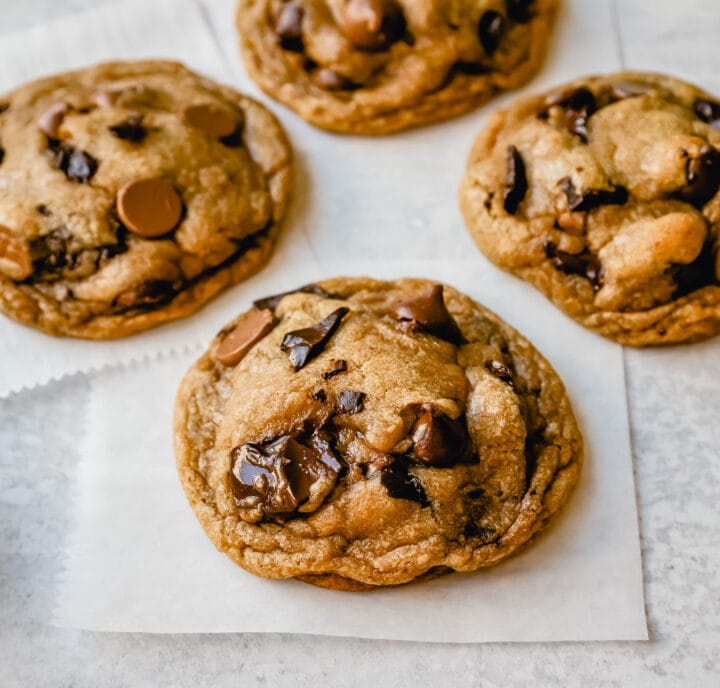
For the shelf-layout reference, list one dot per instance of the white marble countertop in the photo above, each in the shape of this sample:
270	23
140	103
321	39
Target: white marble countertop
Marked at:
674	399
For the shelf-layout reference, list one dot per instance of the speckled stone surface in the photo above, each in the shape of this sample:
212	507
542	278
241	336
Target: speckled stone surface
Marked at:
674	398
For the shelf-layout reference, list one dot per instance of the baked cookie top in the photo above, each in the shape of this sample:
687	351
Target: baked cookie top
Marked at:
130	193
378	66
604	195
359	433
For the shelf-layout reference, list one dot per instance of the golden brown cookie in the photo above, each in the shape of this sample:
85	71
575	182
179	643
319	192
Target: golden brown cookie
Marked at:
379	66
358	433
604	195
130	194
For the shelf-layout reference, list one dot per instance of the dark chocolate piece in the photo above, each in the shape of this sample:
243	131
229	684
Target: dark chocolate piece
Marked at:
338	366
277	477
401	484
350	401
519	11
708	111
131	129
578	105
592	198
273	301
491	28
585	264
288	27
306	343
703	176
439	440
516	185
428	313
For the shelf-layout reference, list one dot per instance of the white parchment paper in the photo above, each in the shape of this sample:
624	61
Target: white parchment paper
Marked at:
139	561
355	198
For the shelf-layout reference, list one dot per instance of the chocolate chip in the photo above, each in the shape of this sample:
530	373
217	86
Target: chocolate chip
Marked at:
519	11
500	370
401	484
336	367
306	343
592	198
578	105
703	176
585	264
149	207
288	27
516	185
350	401
2	155
130	130
43	210
428	313
708	111
279	476
439	440
491	28
249	330
272	302
373	24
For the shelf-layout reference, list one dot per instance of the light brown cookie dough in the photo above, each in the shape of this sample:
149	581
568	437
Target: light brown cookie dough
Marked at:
604	195
373	433
130	194
379	66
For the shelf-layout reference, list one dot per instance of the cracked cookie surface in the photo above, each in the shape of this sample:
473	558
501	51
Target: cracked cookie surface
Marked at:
379	66
604	194
130	194
359	433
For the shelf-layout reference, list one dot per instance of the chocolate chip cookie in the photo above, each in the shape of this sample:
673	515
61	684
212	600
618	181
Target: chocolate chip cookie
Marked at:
358	433
130	194
378	66
604	195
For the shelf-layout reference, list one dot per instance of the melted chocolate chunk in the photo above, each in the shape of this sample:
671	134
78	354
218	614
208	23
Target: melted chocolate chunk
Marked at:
277	477
516	185
401	484
438	440
696	275
703	177
578	105
2	155
491	28
338	366
350	401
593	198
272	302
500	370
131	129
58	250
288	27
519	11
428	313
708	111
306	343
585	264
